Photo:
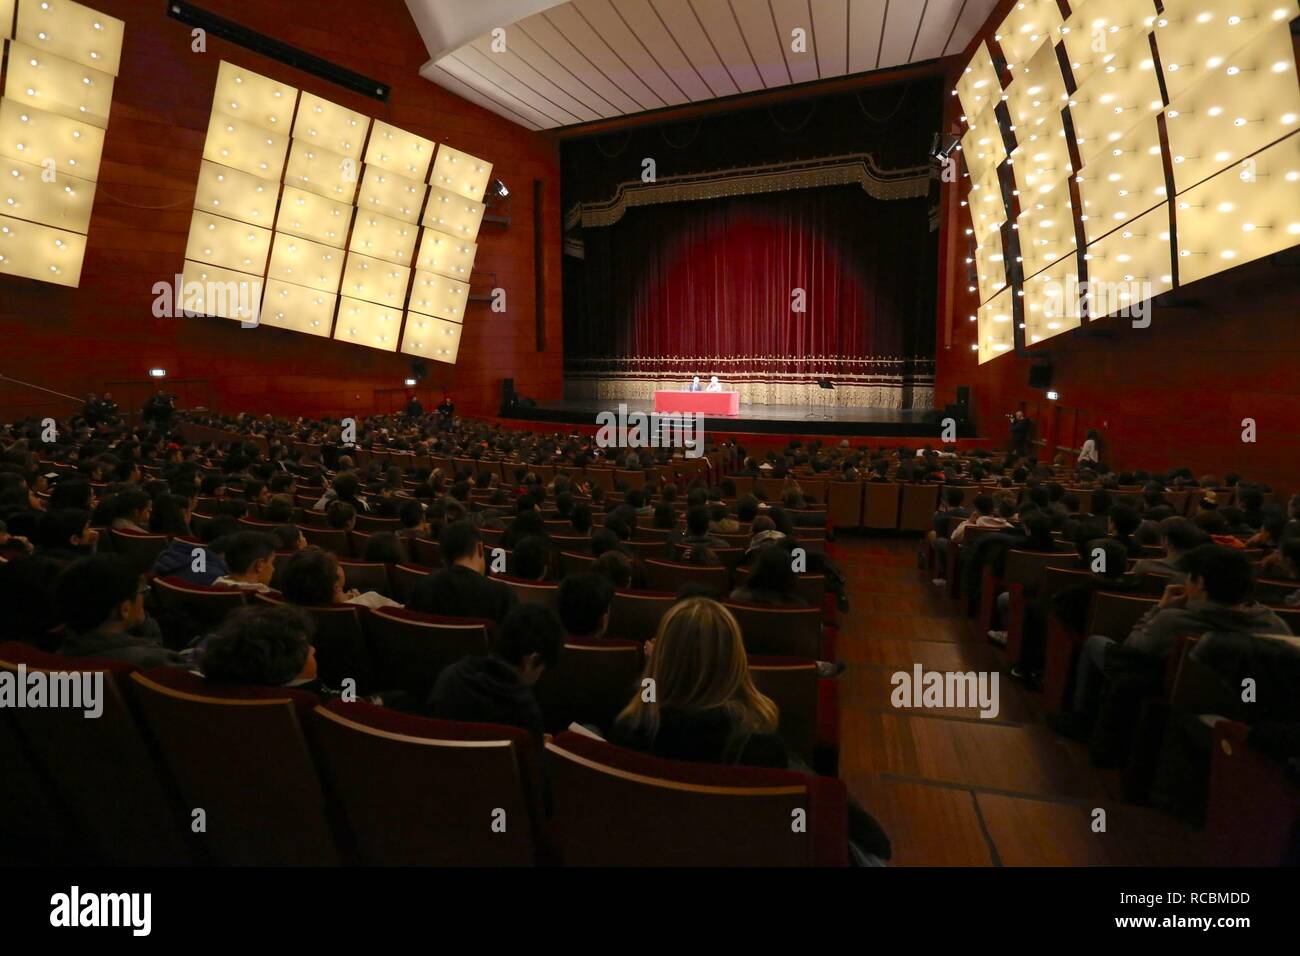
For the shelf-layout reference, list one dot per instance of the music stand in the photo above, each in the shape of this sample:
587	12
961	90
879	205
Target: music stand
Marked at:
825	385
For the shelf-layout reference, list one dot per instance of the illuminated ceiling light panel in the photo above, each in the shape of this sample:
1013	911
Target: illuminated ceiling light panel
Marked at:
1115	99
1027	27
375	280
1041	162
383	238
461	173
227	243
431	338
313	217
439	296
59	86
39	252
1051	301
306	263
33	136
1036	93
1250	100
1130	265
322	172
64	203
1244	213
298	309
1124	181
1100	29
242	145
329	126
221	293
6	18
393	195
1195	36
225	191
446	255
72	31
255	99
987	210
990	267
365	323
400	152
453	214
1046	227
979	85
995	326
982	146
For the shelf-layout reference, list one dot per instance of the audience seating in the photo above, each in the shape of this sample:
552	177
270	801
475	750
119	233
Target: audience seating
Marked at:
333	540
404	578
366	576
408	649
206	606
780	631
792	684
617	807
237	755
426	552
592	684
99	769
142	549
880	507
339	642
411	791
1253	812
545	594
635	615
670	576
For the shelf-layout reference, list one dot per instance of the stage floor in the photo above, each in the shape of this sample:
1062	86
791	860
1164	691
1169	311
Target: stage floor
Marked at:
765	419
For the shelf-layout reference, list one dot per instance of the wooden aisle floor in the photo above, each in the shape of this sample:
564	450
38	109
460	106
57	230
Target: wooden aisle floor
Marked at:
952	788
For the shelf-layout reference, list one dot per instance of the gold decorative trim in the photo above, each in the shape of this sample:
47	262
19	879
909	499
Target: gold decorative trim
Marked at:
907	183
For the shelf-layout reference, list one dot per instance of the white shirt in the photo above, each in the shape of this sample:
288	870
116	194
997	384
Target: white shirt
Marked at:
1089	451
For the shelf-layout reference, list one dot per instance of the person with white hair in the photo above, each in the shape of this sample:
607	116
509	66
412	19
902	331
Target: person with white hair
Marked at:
714	385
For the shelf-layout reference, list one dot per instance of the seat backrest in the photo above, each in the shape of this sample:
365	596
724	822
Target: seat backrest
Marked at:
916	513
207	607
1027	568
419	792
617	807
635	615
543	594
141	549
592	683
366	576
779	631
880	503
405	577
333	540
671	576
243	762
426	551
648	550
372	524
844	503
408	650
1058	579
791	683
100	767
1115	614
340	644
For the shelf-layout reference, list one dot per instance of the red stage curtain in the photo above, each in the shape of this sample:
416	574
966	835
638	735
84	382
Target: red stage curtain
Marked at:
709	287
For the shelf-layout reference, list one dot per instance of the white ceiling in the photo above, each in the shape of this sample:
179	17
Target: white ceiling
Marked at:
576	61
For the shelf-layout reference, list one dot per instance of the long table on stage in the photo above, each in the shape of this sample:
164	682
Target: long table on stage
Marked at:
704	403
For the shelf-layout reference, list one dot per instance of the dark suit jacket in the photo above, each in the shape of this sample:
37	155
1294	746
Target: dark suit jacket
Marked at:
460	592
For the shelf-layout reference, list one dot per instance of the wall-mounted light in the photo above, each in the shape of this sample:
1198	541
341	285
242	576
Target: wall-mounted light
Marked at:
1053	396
157	373
410	383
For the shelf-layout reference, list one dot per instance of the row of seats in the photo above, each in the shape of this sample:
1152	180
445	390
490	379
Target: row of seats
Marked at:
179	770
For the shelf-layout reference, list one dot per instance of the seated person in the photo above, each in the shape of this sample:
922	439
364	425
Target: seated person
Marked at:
695	385
531	559
706	708
385	547
714	385
1216	597
289	537
615	567
263	647
132	511
1179	536
250	562
198	564
314	578
462	589
101	602
697	528
771	581
498	688
583	603
65	534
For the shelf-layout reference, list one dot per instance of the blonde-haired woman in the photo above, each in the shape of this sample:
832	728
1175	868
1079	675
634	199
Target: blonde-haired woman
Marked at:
704	704
705	708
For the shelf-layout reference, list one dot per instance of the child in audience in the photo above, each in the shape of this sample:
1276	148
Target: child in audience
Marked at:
101	602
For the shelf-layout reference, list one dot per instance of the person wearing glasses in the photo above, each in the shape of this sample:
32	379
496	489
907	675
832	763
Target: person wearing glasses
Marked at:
100	600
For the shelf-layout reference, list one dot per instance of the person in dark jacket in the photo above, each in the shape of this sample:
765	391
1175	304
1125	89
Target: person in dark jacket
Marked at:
498	688
101	602
461	589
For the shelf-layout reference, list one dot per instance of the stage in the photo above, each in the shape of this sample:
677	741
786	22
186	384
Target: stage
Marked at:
841	421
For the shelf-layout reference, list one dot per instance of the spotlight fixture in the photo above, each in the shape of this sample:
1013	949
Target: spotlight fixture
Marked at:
497	190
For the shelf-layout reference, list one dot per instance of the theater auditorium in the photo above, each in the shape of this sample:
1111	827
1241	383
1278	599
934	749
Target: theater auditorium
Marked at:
650	433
